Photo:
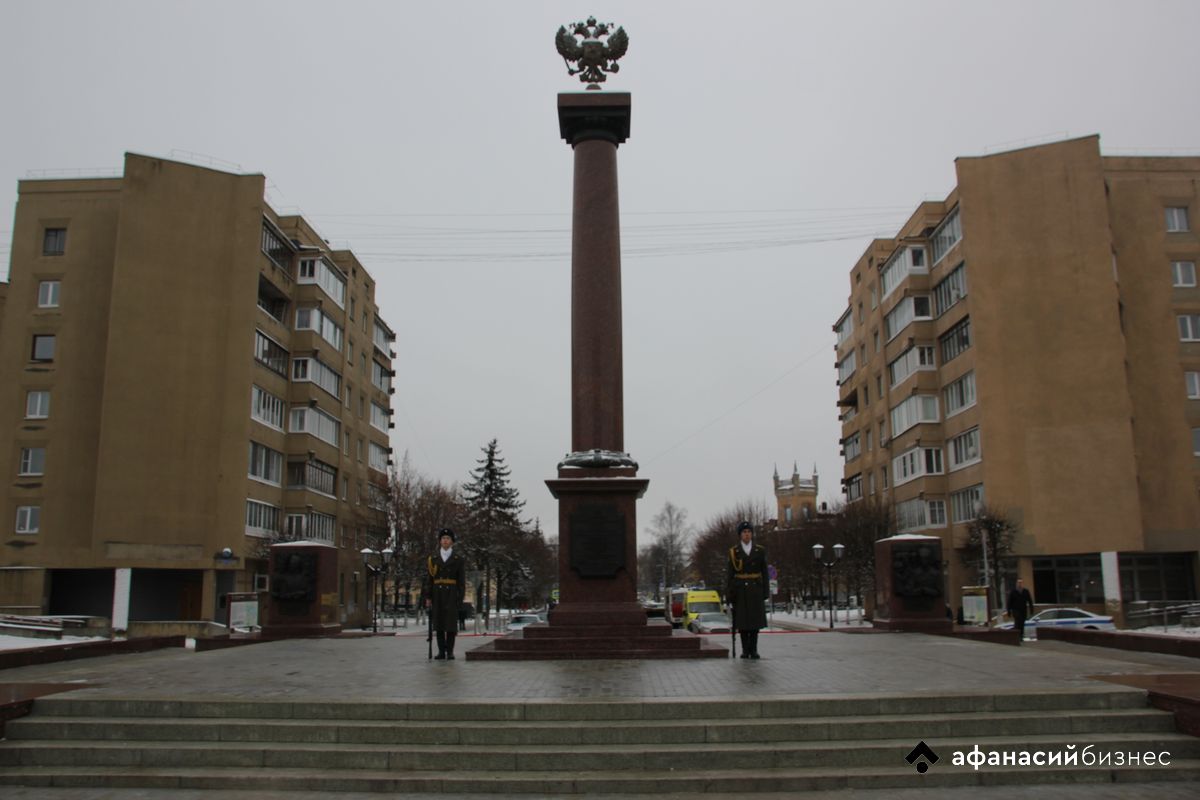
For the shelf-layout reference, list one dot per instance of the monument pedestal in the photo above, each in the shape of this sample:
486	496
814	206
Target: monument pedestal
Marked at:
303	597
909	591
598	615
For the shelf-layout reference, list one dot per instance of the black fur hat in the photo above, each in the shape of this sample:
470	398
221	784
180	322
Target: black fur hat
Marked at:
446	532
744	526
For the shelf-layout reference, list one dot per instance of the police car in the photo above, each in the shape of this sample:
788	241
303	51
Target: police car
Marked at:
1067	618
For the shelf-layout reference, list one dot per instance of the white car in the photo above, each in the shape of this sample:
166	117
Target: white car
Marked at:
1067	618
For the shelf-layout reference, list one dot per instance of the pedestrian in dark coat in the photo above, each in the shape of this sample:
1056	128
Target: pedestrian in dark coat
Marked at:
747	588
1020	605
445	587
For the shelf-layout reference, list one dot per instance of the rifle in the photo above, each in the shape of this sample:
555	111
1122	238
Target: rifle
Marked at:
429	635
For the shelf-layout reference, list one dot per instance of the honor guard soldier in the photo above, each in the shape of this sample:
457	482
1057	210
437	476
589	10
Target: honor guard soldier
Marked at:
747	588
444	590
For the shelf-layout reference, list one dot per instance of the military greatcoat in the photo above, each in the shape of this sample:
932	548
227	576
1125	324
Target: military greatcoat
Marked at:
445	585
747	586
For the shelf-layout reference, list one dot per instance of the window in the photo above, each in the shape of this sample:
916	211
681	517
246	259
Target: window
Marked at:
328	277
29	519
48	293
913	411
43	348
266	464
294	526
852	447
955	341
382	336
314	421
266	407
946	235
54	241
359	449
910	515
916	462
1183	273
313	474
379	417
37	404
314	370
1192	380
33	461
1196	441
952	289
321	527
276	248
844	327
964	449
918	357
854	489
962	503
378	457
270	353
937	513
381	376
960	394
262	519
313	319
1189	327
901	264
906	311
1177	219
847	366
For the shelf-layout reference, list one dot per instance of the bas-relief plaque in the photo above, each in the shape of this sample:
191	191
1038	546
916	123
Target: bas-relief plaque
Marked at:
917	573
597	540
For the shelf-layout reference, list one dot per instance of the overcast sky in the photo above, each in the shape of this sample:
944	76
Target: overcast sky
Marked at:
770	142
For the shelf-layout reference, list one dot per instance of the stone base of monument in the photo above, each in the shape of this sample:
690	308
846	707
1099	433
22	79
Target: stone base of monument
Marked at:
908	585
303	599
653	639
599	615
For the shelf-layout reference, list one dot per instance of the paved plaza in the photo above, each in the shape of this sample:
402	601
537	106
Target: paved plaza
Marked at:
395	669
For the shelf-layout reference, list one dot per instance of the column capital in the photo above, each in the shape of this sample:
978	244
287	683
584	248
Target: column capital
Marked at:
583	116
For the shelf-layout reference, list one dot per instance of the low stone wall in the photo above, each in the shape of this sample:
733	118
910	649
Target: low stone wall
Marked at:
67	652
1125	640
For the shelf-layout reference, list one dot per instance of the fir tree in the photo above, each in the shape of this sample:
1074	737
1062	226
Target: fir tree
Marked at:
493	510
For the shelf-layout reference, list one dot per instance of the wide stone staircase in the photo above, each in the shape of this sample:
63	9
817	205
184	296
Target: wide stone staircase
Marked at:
549	748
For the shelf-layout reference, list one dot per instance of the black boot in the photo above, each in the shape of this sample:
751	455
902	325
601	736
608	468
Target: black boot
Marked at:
450	644
441	643
745	637
754	644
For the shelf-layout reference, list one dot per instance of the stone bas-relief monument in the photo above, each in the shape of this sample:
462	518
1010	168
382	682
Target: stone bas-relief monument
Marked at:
303	599
909	591
597	487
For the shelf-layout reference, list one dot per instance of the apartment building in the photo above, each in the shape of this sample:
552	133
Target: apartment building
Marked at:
187	377
1032	344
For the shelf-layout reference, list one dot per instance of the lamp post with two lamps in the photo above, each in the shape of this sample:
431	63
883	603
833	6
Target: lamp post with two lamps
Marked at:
378	573
838	549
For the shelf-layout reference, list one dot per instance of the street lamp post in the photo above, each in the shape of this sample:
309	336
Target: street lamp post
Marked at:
372	572
838	549
983	542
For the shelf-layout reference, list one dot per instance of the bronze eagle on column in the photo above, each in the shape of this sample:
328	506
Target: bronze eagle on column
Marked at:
593	57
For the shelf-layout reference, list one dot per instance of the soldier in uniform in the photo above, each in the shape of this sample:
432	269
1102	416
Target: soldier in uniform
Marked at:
444	591
747	588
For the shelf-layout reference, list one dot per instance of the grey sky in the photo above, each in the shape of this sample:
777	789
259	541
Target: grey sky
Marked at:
769	142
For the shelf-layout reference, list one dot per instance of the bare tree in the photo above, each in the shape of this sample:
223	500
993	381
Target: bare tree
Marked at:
858	526
1000	531
418	507
668	554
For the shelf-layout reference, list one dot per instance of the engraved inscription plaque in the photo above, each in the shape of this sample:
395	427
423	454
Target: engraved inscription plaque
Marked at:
597	541
917	573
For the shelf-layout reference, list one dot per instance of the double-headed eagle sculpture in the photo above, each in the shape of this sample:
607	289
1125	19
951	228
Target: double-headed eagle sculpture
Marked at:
593	57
